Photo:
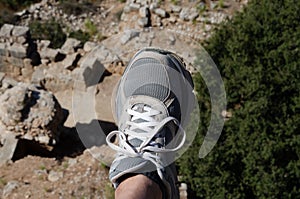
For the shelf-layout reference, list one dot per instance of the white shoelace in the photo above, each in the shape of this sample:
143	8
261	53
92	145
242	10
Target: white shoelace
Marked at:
151	128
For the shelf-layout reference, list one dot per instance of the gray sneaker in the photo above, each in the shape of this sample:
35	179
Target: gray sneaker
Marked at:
153	101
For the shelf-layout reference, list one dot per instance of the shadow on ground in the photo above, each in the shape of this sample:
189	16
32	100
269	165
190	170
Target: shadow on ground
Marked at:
70	143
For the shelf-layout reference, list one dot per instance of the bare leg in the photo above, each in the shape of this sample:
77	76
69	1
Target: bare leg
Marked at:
138	187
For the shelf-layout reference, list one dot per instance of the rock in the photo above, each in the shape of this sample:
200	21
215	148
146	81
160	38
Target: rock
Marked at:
103	153
70	62
144	11
17	50
16	62
43	44
6	30
3	49
156	21
217	17
175	8
9	188
153	6
72	161
8	144
172	40
104	56
213	5
21	40
160	12
144	22
201	6
27	62
172	19
193	14
88	46
27	70
56	77
126	9
89	73
184	14
54	176
51	54
8	82
70	46
38	76
183	191
128	35
26	109
2	75
20	31
134	6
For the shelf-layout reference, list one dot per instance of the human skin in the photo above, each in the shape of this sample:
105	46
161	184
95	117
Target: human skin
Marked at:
138	187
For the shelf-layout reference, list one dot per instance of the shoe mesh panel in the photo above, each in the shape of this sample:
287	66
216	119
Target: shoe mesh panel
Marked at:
147	77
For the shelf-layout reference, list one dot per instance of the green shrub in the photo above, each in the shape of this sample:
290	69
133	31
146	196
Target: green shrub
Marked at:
79	35
257	155
90	27
7	16
92	31
48	30
16	4
73	7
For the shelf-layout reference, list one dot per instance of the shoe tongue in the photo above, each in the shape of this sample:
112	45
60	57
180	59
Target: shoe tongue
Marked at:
135	141
153	90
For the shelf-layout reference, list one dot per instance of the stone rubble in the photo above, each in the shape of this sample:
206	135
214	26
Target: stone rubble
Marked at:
135	14
30	110
31	113
9	188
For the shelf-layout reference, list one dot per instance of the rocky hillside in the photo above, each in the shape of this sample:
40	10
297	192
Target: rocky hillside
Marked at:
47	147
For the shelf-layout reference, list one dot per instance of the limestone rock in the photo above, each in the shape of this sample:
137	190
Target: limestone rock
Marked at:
20	31
3	49
51	54
71	61
26	109
6	30
144	22
70	46
17	50
175	8
184	14
9	187
43	44
103	153
144	11
160	12
134	6
17	63
8	144
128	35
54	176
2	75
89	73
193	14
88	46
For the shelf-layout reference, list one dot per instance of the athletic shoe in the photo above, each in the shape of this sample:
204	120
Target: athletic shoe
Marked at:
153	101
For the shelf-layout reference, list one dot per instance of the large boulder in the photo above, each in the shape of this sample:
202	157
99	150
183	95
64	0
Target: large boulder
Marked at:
31	113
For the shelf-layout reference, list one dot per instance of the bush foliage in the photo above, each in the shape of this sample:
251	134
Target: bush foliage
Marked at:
7	16
48	30
8	7
80	35
16	4
257	155
75	7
